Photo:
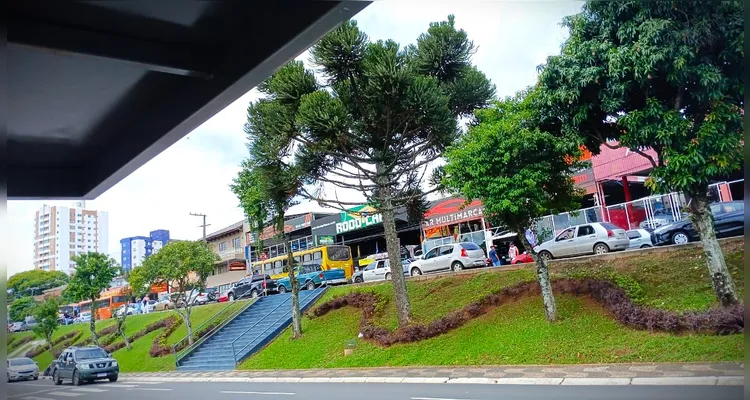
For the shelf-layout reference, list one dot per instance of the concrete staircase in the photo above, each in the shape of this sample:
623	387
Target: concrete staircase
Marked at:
249	331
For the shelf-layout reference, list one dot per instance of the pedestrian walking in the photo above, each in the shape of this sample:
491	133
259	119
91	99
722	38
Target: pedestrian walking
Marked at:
493	257
512	252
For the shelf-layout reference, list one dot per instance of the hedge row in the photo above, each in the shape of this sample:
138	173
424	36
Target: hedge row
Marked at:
717	321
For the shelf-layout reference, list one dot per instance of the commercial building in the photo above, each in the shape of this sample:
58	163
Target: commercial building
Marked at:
134	250
60	233
229	244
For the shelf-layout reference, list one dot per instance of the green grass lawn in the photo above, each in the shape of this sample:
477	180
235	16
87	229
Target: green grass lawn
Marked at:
518	333
138	358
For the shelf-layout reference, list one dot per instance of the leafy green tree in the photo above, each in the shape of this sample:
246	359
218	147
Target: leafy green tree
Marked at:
270	179
45	315
663	75
182	265
21	308
33	282
519	172
382	116
93	273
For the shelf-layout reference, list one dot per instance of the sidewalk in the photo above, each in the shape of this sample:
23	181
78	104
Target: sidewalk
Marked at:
612	374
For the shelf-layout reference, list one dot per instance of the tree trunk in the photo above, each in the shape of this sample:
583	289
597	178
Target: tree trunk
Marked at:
542	274
92	325
49	342
703	222
121	329
188	325
296	315
403	306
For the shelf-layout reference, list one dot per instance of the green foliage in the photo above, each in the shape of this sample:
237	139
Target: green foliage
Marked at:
93	273
34	281
659	74
21	308
46	319
518	171
178	264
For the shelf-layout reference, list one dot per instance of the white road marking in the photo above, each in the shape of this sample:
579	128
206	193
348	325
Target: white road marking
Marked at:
144	383
117	385
90	390
153	389
435	398
65	394
26	394
269	393
35	398
35	384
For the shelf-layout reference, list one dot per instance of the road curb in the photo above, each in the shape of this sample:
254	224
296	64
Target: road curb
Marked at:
660	381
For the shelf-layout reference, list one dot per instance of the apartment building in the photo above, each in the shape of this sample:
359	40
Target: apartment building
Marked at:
134	250
63	232
229	244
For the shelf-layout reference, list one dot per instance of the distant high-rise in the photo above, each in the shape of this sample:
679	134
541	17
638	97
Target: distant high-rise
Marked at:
135	249
63	232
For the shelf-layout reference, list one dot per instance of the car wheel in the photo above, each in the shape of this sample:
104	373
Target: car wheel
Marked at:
310	285
457	266
56	378
680	237
545	255
645	246
416	271
388	276
254	294
76	379
230	296
8	378
282	289
358	279
113	378
601	248
36	377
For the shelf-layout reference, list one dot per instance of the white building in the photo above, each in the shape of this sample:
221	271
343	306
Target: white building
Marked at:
63	232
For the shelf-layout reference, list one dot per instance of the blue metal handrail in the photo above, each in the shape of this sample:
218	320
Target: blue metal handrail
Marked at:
234	354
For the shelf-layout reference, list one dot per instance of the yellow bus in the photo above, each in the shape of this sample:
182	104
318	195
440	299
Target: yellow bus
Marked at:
332	256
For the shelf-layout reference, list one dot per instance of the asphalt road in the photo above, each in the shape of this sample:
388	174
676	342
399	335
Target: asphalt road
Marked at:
128	390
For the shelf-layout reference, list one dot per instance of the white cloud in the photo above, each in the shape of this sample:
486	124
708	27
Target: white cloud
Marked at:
194	174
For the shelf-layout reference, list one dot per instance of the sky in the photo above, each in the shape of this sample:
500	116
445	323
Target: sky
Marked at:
194	174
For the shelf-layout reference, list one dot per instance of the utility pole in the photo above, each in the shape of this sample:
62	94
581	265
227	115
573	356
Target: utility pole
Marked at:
204	225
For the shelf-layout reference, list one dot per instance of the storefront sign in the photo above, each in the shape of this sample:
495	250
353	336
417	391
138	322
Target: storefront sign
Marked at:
326	239
448	212
358	218
237	266
292	225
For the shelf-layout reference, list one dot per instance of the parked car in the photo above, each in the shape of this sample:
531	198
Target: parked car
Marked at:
83	318
311	275
128	309
639	238
729	220
522	258
357	276
164	303
223	298
252	286
15	327
84	364
381	270
22	368
593	238
195	297
29	323
455	257
661	217
212	293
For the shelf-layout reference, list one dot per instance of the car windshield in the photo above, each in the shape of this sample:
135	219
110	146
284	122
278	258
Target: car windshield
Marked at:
89	354
338	253
17	362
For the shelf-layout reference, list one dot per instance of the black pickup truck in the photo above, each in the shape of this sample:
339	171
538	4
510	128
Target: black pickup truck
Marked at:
252	286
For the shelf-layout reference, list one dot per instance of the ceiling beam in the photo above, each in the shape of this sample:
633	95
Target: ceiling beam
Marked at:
150	55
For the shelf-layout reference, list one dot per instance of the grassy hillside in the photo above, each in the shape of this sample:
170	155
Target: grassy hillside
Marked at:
138	358
517	333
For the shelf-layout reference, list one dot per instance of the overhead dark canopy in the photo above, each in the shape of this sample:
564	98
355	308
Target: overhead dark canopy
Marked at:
96	89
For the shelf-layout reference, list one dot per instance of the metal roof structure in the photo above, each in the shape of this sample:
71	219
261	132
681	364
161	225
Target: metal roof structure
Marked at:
95	89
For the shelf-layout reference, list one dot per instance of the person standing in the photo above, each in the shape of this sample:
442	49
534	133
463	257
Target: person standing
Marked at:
512	252
493	257
144	305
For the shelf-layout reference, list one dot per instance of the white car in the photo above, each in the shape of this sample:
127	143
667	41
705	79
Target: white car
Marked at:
131	309
381	270
593	238
639	239
16	327
22	368
454	257
84	317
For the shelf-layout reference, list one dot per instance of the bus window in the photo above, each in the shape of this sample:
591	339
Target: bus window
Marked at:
296	259
318	255
278	267
339	253
103	303
267	268
306	257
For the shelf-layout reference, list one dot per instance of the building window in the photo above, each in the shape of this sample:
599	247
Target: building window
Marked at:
223	246
236	243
